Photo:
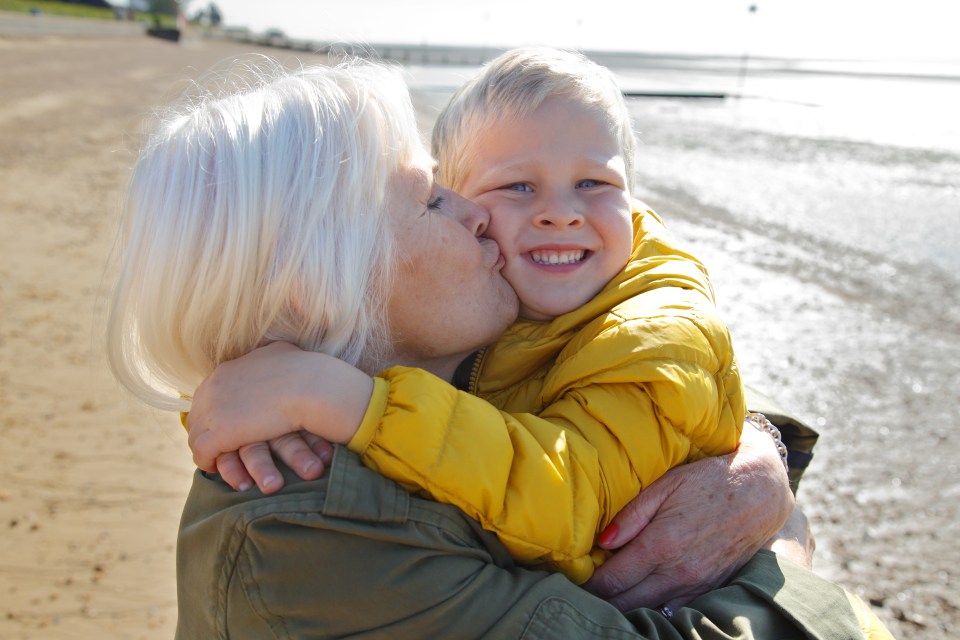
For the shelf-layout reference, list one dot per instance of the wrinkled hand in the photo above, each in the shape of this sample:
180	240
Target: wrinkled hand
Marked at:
795	540
695	527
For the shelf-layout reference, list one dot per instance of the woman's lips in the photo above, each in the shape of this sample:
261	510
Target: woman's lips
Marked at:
492	252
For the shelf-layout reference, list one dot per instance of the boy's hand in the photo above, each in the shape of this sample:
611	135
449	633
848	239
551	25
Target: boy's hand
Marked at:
308	455
268	393
239	404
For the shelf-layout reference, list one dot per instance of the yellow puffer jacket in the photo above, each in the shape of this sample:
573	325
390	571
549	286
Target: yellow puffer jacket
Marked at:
577	414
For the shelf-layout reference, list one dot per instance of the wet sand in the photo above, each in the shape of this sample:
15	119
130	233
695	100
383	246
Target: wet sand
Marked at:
94	482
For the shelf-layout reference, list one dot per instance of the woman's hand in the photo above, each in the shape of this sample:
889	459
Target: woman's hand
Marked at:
695	527
795	540
270	394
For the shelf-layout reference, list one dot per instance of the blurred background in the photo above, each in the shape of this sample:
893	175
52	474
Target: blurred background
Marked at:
807	151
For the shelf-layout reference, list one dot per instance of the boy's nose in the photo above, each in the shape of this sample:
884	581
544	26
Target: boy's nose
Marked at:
560	215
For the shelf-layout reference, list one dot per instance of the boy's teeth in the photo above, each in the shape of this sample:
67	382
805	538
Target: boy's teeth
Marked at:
557	257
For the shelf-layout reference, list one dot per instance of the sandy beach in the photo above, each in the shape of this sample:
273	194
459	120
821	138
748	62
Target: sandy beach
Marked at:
94	482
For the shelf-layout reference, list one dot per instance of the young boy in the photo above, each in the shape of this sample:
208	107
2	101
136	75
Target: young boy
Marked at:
619	367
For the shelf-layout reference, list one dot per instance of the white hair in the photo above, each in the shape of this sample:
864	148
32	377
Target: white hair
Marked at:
257	213
515	84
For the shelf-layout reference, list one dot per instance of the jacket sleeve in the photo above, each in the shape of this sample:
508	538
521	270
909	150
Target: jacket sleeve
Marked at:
654	388
533	482
653	383
536	482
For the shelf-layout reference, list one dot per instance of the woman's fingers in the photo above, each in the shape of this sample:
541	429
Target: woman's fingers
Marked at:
655	590
635	516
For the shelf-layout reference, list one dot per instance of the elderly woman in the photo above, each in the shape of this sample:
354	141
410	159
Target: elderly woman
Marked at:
301	208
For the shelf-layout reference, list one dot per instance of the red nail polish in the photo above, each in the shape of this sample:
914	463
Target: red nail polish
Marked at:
609	534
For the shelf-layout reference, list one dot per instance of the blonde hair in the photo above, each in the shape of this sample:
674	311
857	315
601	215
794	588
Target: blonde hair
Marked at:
515	84
257	213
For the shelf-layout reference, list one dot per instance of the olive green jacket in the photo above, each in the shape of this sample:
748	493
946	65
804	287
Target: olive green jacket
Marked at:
355	555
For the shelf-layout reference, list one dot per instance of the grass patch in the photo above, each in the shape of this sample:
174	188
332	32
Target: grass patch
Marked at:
69	9
54	8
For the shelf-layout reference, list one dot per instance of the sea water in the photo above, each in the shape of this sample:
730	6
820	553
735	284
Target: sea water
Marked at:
854	177
867	159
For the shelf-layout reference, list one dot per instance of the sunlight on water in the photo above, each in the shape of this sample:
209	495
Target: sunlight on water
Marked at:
871	162
901	111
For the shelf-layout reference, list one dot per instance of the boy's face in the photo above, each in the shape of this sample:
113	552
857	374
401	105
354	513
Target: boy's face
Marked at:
556	187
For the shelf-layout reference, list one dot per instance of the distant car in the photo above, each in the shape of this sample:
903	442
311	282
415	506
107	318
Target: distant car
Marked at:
275	38
36	12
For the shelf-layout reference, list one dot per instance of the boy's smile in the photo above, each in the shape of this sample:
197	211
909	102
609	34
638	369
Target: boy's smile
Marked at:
555	185
558	256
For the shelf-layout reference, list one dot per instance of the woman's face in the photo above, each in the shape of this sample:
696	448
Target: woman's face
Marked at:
448	297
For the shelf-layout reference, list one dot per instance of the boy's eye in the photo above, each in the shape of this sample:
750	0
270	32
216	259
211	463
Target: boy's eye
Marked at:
518	186
585	184
435	203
